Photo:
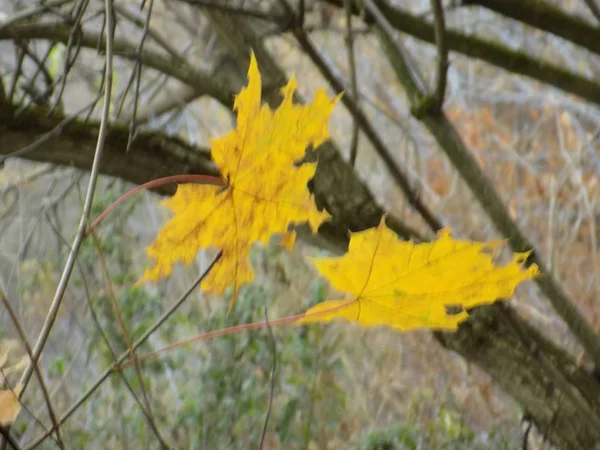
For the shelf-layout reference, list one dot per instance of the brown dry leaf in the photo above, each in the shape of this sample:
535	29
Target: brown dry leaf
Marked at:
10	405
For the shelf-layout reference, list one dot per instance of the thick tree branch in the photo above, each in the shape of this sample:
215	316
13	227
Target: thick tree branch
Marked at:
545	16
175	67
481	186
594	9
517	357
152	155
491	52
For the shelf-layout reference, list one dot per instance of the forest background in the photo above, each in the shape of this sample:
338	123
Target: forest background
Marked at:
516	99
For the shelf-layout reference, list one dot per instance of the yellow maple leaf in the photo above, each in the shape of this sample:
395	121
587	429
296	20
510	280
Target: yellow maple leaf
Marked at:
9	405
265	191
406	286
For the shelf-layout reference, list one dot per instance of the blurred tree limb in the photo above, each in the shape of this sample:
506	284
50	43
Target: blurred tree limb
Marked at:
152	155
547	17
494	53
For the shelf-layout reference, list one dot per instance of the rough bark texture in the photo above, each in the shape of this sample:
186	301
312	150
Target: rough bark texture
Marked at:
545	16
152	155
535	372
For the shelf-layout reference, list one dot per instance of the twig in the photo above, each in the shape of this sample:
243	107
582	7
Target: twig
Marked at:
30	13
272	387
98	382
94	172
70	56
397	173
97	321
205	179
442	46
5	432
129	342
40	68
481	186
20	53
349	38
138	76
38	373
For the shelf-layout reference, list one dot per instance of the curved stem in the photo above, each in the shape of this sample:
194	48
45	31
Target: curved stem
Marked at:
201	179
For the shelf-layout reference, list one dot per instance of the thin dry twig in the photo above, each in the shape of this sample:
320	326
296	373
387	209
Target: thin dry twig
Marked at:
94	172
20	54
118	361
398	175
272	384
115	307
72	50
96	320
23	336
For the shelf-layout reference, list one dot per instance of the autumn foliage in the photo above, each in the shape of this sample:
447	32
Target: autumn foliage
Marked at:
265	191
388	282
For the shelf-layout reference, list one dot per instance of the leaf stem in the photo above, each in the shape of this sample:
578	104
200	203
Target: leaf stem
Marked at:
186	178
232	330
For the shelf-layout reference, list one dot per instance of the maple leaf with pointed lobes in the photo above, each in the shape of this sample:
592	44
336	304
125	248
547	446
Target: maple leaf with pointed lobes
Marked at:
265	191
406	286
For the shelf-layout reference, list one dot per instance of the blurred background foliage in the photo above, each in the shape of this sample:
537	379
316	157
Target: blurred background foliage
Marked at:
336	386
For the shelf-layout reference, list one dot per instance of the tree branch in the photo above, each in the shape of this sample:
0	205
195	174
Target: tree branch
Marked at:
491	52
442	46
175	67
152	155
482	187
545	16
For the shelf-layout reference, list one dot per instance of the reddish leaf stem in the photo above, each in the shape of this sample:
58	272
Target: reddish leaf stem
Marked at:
232	330
188	178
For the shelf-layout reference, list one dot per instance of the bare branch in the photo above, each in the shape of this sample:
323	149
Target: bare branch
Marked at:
442	66
36	367
349	38
482	187
545	16
104	376
87	206
201	81
491	52
396	172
